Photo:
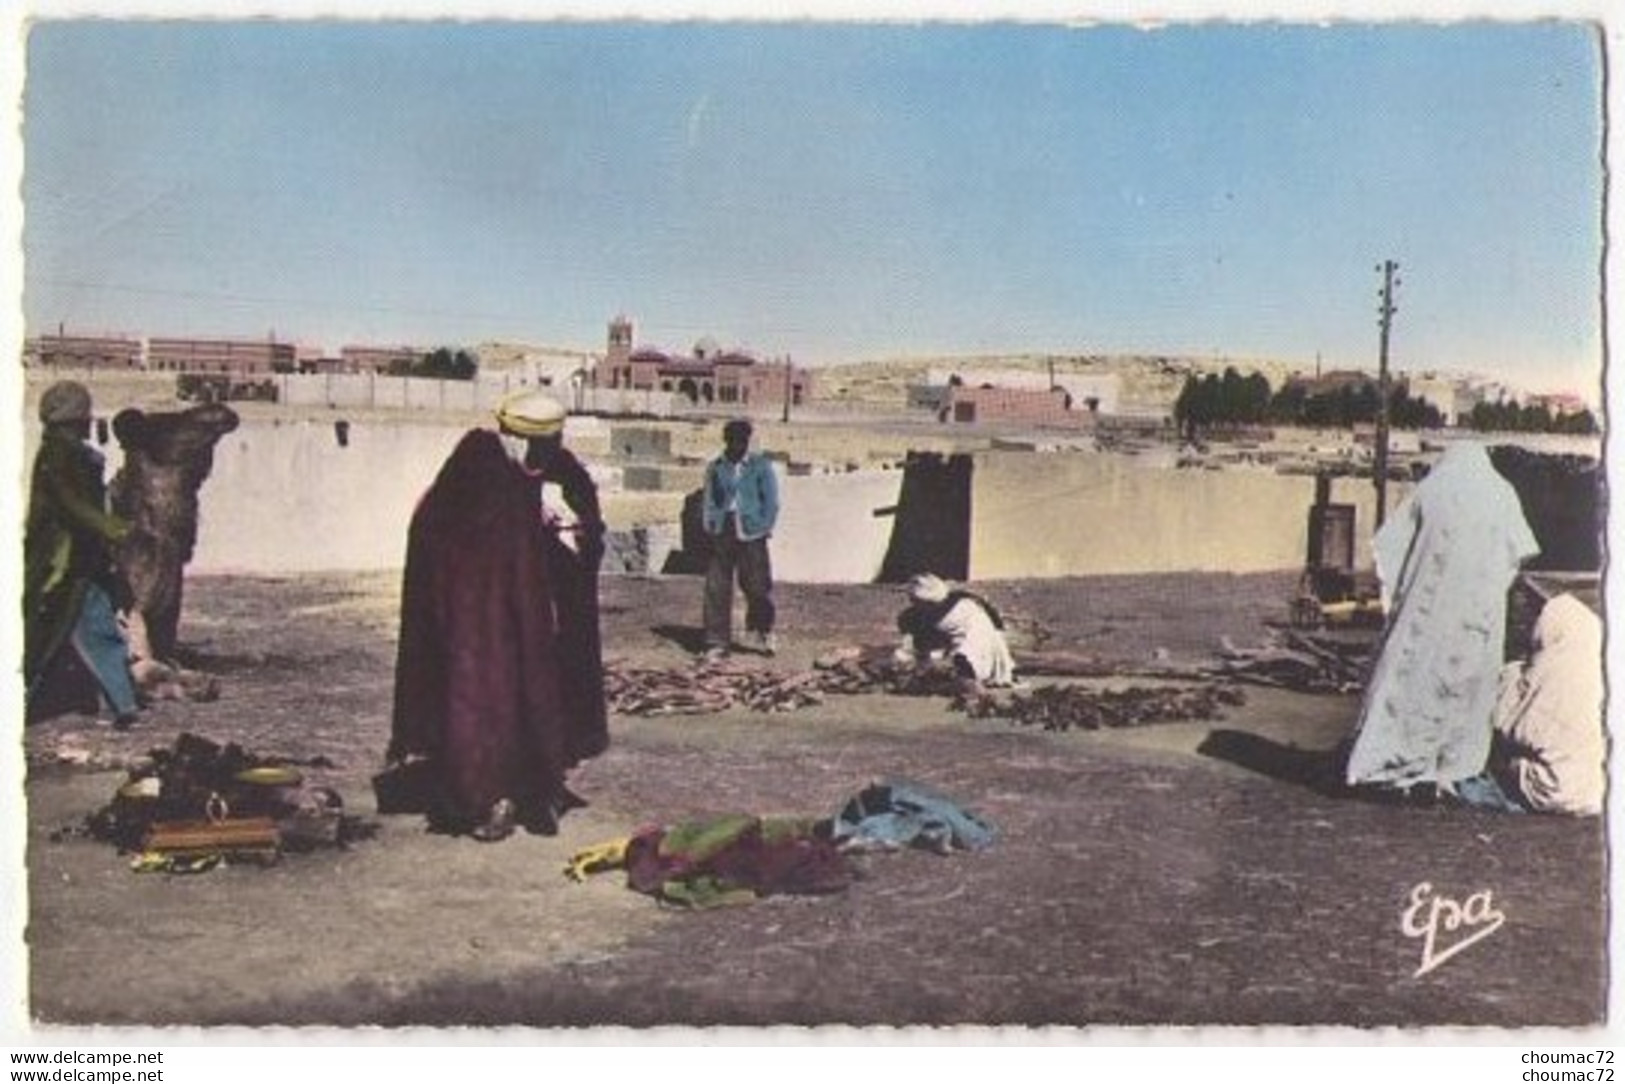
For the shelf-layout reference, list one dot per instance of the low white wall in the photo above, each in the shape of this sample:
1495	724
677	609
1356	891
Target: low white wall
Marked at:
828	531
286	498
1084	513
367	391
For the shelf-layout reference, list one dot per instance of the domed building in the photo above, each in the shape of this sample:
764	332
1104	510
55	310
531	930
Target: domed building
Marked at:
707	375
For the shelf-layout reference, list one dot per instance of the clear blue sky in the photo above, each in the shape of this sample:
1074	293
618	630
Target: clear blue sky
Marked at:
834	192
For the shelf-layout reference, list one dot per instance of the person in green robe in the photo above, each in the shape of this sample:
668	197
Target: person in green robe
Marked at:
70	580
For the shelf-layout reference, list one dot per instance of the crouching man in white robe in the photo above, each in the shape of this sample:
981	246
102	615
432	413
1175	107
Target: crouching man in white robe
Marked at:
956	625
1551	752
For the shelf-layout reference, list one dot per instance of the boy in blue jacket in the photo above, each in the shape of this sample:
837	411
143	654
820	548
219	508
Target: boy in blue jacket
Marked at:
741	505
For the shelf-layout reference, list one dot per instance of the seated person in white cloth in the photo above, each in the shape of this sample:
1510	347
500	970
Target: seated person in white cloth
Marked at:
1551	752
964	628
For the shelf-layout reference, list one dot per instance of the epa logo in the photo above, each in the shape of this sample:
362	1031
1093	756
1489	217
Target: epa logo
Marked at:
1445	926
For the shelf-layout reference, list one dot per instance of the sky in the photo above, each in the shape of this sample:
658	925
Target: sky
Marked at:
828	191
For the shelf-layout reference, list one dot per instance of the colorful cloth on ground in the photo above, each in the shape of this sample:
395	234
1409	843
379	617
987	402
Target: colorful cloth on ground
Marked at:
1445	560
1550	715
478	687
735	858
965	626
901	813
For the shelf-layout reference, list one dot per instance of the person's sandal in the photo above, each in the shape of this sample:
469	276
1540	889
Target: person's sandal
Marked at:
498	824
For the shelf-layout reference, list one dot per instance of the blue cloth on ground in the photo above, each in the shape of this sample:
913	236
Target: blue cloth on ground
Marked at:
901	813
1484	792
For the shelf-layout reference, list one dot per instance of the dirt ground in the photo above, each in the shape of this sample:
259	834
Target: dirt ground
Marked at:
1136	879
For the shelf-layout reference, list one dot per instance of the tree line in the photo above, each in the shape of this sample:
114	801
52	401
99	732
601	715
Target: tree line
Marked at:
1230	399
1509	417
442	363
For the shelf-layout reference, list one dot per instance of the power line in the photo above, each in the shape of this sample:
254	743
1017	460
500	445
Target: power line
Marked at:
1385	315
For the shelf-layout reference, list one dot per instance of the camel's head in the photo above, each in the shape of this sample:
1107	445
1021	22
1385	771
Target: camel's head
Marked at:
175	438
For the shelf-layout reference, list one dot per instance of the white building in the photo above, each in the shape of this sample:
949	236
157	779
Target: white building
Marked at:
1097	392
1455	396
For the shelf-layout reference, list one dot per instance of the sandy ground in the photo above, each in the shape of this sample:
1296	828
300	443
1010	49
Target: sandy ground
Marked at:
1135	880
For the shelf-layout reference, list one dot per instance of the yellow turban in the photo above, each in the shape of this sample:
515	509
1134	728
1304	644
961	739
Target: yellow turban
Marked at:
531	414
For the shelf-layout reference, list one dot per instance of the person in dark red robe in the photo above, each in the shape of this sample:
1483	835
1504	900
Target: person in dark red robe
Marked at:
499	680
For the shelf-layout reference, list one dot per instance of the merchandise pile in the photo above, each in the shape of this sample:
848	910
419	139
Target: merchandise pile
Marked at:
715	687
1069	707
196	803
1299	661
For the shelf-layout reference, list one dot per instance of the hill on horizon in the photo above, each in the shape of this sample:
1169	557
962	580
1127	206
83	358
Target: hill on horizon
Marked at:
1147	380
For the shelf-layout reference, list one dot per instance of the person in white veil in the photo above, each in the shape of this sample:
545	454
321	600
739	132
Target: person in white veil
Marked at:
1446	561
1550	716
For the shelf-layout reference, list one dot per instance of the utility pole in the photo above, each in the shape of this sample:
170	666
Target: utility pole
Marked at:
1385	314
787	371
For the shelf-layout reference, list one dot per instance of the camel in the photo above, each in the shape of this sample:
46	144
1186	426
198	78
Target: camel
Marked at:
167	457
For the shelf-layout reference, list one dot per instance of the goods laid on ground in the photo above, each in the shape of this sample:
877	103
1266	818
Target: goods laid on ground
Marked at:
1068	707
718	687
189	806
714	687
872	670
706	689
237	838
1298	660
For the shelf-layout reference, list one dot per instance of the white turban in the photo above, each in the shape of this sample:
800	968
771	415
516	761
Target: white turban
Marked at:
531	414
927	588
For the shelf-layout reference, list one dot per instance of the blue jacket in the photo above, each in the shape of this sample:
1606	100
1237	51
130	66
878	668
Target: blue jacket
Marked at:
758	491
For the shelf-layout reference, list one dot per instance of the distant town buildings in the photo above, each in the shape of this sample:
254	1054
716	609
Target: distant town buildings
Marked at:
539	366
1017	396
99	353
1097	393
1334	381
970	405
708	375
233	357
1453	397
1560	404
376	359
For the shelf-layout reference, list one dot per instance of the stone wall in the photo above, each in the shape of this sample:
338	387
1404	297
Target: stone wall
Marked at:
288	497
1085	513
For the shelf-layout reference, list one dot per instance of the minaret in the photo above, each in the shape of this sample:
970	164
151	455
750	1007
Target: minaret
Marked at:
619	356
620	341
